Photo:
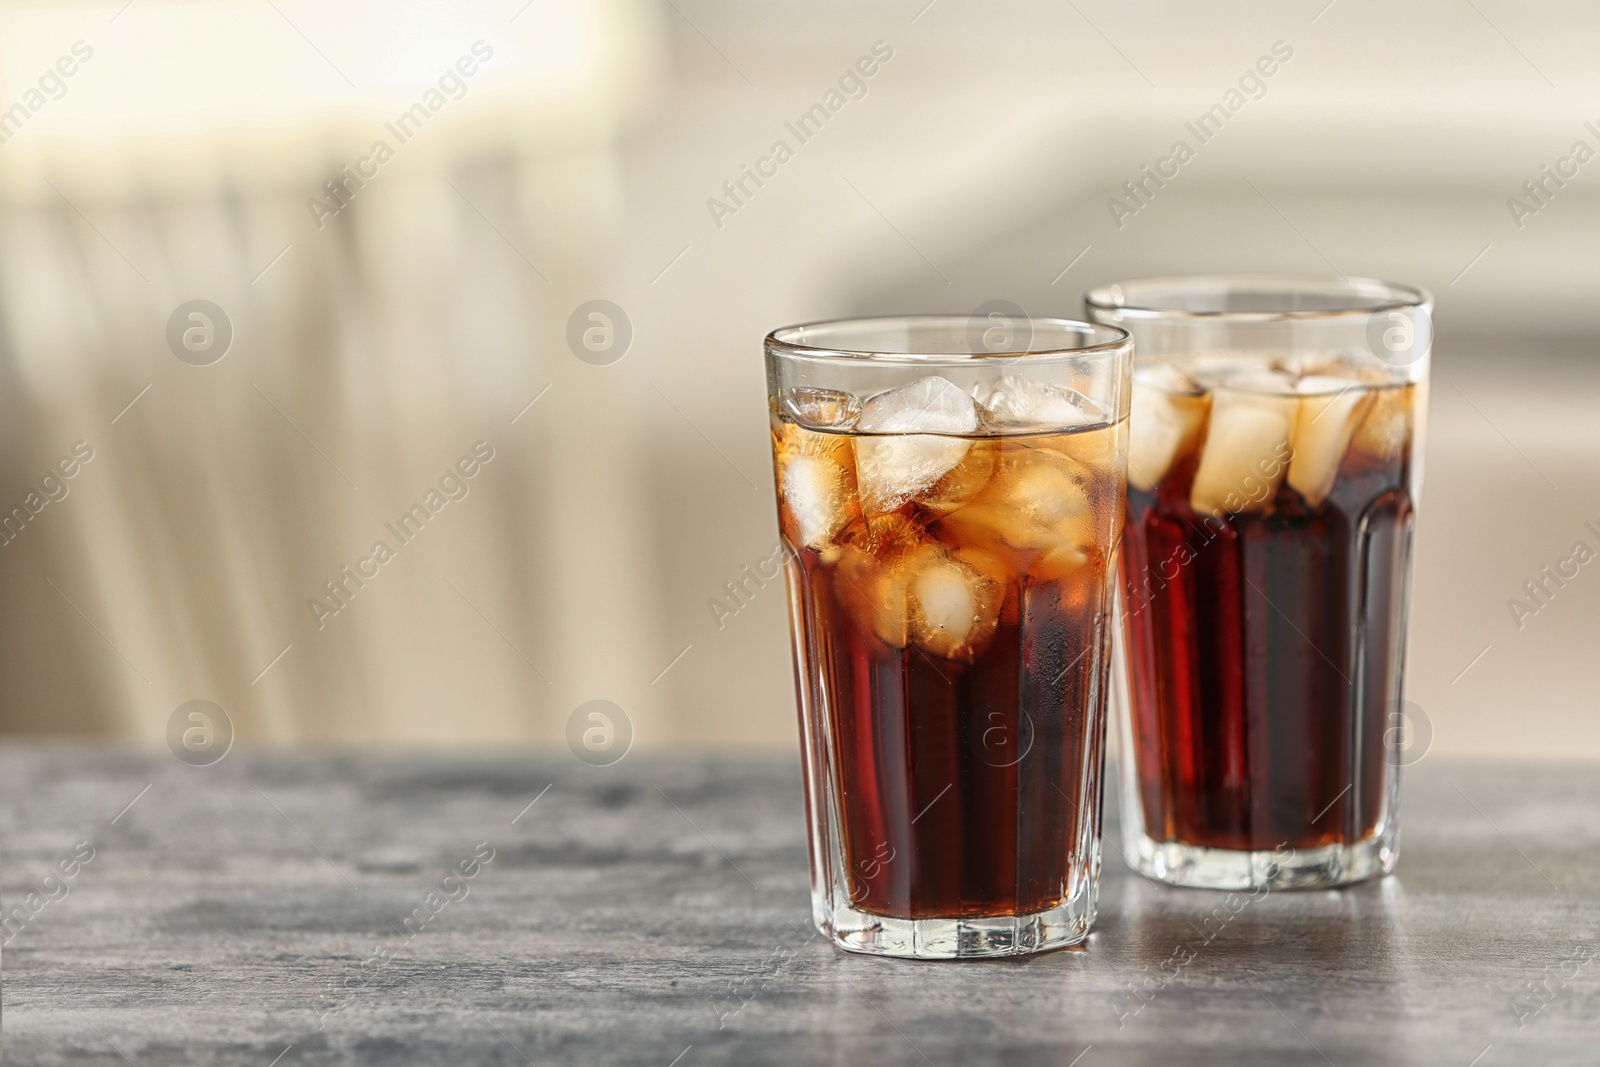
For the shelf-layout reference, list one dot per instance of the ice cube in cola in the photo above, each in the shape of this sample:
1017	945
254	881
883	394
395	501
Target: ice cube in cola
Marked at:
1268	527
950	568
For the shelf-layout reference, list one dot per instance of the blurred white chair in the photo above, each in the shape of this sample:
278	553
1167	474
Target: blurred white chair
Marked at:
371	348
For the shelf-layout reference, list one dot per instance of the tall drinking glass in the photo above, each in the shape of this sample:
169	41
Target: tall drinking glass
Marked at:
1275	459
951	496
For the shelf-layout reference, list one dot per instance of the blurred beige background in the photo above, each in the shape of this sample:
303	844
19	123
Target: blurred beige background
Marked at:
576	162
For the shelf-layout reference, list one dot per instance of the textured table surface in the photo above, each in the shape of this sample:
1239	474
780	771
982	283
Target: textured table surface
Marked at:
655	913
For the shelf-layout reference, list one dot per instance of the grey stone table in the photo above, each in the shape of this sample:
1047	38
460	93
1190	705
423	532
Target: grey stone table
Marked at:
297	909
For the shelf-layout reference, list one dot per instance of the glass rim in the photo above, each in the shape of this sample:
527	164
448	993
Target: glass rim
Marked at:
1388	296
784	341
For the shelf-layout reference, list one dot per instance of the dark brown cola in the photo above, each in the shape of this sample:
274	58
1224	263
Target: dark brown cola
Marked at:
1264	564
958	644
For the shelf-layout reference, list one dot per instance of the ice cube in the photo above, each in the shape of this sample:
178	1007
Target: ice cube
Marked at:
879	557
1416	405
1001	569
1212	369
1100	448
1330	410
1334	365
818	499
874	593
1063	561
816	479
1036	500
994	526
911	456
954	607
1166	376
1298	363
1165	415
1020	404
1388	425
1247	446
1046	487
1016	402
884	536
822	409
996	566
963	481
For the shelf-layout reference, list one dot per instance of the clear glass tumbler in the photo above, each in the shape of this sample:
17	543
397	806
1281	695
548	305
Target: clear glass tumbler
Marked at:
1274	466
951	494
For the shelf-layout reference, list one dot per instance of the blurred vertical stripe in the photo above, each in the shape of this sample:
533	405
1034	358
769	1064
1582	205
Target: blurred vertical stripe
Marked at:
369	354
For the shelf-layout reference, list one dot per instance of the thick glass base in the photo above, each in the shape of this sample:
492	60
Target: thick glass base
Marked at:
1283	868
959	939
